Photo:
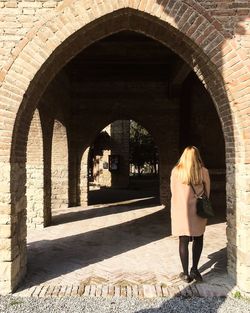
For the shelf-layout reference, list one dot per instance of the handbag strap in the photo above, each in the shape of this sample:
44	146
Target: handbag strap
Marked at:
204	190
194	190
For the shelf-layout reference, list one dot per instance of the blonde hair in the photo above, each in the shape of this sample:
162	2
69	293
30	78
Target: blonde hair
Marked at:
189	166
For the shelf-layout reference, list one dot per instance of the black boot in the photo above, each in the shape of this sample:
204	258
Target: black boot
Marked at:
185	278
195	274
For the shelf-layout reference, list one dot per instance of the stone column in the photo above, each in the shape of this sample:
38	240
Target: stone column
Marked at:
101	173
59	167
47	126
74	174
6	254
238	224
169	148
84	182
105	175
35	173
13	232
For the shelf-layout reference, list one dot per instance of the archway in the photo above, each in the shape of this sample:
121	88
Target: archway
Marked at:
207	65
109	161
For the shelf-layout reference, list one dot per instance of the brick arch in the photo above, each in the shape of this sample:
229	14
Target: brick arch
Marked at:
54	42
179	14
121	116
48	38
60	51
207	54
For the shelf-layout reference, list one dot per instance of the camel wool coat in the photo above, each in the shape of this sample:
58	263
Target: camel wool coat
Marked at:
185	221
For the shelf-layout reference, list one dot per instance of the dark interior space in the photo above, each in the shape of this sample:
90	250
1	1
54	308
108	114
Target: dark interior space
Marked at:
128	75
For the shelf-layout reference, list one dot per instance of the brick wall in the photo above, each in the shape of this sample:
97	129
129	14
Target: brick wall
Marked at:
59	167
17	18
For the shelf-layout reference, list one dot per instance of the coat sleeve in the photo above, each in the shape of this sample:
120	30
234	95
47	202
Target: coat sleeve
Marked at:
172	182
206	180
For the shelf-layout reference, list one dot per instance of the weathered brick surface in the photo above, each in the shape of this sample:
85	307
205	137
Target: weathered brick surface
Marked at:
84	184
59	167
211	36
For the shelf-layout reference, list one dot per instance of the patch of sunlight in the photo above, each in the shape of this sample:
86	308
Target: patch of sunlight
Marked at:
120	202
92	223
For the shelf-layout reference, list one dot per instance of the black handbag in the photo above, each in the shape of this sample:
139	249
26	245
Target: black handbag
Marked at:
203	205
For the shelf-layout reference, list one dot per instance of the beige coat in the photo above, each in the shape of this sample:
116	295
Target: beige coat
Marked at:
185	221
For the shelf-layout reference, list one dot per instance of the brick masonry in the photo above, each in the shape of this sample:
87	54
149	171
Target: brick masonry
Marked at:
34	185
59	167
39	37
128	291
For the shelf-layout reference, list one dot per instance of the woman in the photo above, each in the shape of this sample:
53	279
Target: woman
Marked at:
189	172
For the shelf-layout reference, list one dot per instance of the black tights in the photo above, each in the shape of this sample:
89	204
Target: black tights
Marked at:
196	251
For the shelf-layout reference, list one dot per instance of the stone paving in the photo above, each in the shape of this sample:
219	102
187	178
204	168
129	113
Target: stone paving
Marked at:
119	249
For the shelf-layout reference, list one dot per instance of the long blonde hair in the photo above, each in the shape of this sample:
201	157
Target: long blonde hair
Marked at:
189	166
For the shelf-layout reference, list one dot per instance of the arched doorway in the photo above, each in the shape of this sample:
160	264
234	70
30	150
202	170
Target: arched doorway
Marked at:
208	70
113	161
93	103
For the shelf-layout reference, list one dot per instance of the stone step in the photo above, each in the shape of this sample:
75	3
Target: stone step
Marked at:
135	291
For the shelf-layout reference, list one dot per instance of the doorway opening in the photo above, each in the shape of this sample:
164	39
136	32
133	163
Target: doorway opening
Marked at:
123	165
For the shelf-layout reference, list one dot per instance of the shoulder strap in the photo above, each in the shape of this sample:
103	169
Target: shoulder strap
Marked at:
204	189
203	184
193	189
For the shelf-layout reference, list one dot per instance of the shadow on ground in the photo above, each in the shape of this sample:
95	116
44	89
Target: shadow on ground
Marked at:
68	254
139	187
186	304
217	263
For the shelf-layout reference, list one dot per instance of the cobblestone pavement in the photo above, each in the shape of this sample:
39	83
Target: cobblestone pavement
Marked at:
119	249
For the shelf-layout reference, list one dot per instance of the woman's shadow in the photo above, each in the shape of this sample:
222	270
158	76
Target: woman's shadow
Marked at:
185	303
217	263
